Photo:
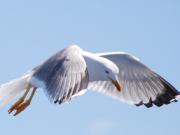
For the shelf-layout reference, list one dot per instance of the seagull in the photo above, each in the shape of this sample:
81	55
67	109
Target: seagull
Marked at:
72	72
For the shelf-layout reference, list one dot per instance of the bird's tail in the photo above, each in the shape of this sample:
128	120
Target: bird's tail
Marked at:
10	90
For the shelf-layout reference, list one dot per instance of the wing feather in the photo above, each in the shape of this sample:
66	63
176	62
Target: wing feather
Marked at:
140	85
64	74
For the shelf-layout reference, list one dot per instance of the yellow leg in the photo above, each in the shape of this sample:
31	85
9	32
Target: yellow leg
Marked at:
24	105
20	101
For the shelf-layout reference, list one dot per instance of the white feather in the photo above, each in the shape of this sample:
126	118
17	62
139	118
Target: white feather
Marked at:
10	90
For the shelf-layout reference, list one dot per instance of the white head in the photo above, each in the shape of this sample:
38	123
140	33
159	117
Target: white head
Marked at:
101	69
110	73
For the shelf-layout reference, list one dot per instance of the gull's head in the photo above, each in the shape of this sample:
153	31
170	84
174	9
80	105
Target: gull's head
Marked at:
102	69
111	72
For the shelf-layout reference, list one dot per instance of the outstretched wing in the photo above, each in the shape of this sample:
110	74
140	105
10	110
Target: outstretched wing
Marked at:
64	75
140	85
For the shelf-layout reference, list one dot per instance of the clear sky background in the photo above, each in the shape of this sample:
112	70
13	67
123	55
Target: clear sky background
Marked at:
31	31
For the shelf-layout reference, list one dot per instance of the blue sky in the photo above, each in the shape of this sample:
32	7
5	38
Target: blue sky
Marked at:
31	31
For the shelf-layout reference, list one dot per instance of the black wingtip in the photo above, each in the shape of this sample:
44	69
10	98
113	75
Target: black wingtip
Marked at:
169	96
58	101
55	102
150	104
139	104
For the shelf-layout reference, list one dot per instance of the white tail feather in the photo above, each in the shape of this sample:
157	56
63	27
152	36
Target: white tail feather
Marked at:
10	90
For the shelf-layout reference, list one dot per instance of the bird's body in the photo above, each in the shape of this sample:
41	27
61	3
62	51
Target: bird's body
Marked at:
69	72
72	71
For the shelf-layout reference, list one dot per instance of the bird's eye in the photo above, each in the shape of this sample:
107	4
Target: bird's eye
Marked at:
107	72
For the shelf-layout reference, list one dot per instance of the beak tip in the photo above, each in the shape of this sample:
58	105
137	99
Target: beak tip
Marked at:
117	85
119	89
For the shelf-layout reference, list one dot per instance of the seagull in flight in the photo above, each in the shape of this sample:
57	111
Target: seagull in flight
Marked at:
72	72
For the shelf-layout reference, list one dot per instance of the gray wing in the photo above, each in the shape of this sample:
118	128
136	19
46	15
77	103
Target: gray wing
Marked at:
64	75
140	85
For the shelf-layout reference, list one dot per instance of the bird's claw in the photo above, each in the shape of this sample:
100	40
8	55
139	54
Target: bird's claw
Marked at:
16	105
19	106
22	107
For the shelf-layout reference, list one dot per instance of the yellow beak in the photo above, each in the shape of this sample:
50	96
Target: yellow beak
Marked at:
117	85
